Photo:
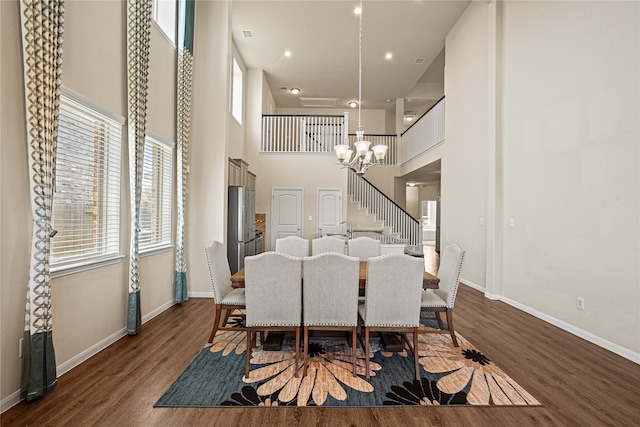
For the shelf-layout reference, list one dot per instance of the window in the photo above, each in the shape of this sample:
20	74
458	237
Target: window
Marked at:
164	14
86	203
236	100
155	202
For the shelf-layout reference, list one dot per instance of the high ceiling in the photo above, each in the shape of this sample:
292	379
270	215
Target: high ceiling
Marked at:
322	37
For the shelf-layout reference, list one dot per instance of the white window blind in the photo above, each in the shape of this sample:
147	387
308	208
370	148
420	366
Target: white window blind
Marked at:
86	203
156	199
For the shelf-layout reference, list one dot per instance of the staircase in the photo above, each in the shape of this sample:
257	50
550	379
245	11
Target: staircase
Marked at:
376	203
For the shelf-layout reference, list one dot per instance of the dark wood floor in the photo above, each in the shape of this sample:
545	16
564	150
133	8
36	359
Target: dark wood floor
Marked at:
578	383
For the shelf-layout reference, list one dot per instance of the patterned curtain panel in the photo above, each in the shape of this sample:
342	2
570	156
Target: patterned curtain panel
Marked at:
138	40
186	10
42	30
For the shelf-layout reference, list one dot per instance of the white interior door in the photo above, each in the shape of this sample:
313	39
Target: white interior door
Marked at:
329	210
286	213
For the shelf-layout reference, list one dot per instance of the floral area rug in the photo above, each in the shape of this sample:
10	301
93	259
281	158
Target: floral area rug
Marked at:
449	376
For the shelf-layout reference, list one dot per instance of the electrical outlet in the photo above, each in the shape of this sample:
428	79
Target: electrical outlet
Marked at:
580	303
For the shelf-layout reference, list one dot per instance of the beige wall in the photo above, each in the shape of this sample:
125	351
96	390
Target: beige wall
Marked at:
553	144
89	308
206	215
464	154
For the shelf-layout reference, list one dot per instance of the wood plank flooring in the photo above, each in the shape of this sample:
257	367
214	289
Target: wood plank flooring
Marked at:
579	384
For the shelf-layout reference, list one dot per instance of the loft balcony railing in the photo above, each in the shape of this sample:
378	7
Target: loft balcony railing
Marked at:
315	134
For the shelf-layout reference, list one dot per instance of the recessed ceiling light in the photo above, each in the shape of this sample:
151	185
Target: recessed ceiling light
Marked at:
287	53
411	183
295	90
408	118
389	55
353	104
357	10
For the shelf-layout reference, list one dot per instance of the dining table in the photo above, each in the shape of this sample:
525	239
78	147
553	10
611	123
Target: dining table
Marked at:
429	281
390	341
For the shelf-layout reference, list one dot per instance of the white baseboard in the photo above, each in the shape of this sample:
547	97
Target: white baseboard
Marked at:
10	401
65	367
600	342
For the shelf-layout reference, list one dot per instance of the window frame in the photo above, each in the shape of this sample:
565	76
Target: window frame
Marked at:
159	21
168	146
85	107
237	102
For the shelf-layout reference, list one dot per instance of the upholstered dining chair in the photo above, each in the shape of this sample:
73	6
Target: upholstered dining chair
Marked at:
225	297
442	299
392	299
273	290
330	297
293	245
364	247
327	244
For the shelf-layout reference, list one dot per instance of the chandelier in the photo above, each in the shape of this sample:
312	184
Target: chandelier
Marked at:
364	157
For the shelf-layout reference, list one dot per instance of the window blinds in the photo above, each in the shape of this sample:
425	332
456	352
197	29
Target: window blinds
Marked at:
86	202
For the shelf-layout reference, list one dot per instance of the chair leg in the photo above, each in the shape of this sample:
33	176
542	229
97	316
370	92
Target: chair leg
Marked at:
354	332
216	322
415	353
248	355
297	350
450	323
306	351
439	320
227	313
366	349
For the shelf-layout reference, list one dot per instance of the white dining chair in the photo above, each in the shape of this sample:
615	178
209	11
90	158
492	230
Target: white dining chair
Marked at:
392	299
327	244
225	297
330	297
364	247
442	299
273	293
293	245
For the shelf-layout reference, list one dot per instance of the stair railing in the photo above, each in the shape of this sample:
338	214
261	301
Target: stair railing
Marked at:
377	203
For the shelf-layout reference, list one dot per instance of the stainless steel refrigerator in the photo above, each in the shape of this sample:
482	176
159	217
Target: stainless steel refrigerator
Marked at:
241	226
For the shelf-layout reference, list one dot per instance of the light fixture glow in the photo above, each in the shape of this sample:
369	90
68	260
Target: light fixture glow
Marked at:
408	118
295	90
389	55
363	158
411	183
287	53
358	10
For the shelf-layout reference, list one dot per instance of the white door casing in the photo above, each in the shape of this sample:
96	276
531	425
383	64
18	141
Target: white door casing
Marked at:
286	213
329	210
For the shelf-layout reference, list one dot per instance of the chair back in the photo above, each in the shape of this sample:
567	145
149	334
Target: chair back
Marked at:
330	291
219	271
393	291
327	244
273	289
449	273
293	245
364	247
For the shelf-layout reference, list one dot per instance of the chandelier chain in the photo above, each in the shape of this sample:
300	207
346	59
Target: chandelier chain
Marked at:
360	70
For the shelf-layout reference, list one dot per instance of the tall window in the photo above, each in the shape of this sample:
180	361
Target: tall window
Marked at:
236	100
155	203
164	14
86	202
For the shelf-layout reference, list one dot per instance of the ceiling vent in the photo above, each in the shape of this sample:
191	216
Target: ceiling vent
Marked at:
418	61
318	102
247	34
